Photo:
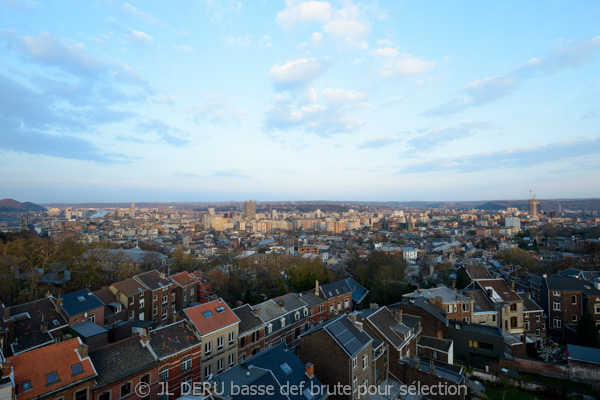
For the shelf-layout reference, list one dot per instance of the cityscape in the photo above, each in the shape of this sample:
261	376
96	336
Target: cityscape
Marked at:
299	200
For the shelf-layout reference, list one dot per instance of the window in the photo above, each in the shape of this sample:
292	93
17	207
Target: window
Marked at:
339	305
331	307
449	308
346	303
164	299
282	322
142	302
191	292
513	322
145	379
76	368
537	318
556	323
186	364
556	293
92	318
207	371
231	338
355	384
296	315
26	386
365	361
173	309
164	374
131	314
52	377
269	328
131	300
466	307
125	389
207	348
537	332
556	305
306	312
493	317
81	395
155	298
320	309
573	299
165	313
513	307
155	311
219	366
104	396
597	309
366	382
574	318
473	343
231	359
526	325
172	296
354	363
283	339
434	355
220	343
466	319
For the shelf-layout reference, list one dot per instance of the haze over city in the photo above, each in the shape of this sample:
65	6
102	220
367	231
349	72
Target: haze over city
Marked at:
223	100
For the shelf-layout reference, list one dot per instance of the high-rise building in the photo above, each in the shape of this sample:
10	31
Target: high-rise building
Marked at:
534	206
250	210
132	210
211	211
68	214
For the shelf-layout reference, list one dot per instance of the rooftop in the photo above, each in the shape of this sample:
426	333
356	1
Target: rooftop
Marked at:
211	316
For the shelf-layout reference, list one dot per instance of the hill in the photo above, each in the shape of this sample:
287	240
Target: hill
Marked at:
10	205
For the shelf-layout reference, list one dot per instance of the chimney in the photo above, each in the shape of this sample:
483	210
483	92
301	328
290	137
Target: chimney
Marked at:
373	306
83	350
457	298
58	304
310	370
145	338
316	288
44	326
524	340
5	369
359	325
454	285
352	317
512	285
398	314
255	311
280	303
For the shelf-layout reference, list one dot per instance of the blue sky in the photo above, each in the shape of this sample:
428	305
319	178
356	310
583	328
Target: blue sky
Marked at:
290	100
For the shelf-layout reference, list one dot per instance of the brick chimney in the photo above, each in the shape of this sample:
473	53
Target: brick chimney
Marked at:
512	285
316	288
398	314
310	370
145	338
280	303
59	302
5	369
359	325
83	350
352	317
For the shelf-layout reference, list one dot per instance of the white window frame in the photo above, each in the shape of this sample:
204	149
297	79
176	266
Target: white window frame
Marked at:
220	343
354	362
365	361
231	338
164	374
186	364
556	305
556	323
207	349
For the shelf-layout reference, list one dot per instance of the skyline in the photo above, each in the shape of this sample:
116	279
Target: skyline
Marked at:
214	101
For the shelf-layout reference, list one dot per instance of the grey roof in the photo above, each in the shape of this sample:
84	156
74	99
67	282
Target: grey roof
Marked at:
386	325
88	329
481	303
117	360
412	321
441	370
28	318
290	302
448	295
269	310
424	304
572	284
359	292
172	339
79	302
248	320
152	280
583	354
478	328
528	304
311	299
435	343
347	335
335	289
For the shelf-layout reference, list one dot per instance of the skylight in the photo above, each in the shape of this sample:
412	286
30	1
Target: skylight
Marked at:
80	298
207	314
76	368
52	377
26	385
286	368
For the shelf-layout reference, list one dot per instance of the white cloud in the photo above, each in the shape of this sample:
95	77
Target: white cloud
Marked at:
339	97
265	41
348	25
304	11
385	52
216	108
137	13
141	36
296	71
406	65
316	38
241	41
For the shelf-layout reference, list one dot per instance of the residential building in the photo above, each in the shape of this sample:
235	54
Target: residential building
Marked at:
505	300
135	298
251	332
160	296
534	322
81	306
185	286
456	305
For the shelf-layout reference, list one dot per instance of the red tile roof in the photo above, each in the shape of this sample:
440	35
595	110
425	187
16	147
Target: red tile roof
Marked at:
35	365
184	279
212	316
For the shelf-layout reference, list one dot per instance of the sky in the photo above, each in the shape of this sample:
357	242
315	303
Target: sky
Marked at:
108	101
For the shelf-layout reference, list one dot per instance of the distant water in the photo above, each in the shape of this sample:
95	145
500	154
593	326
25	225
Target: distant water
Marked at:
99	214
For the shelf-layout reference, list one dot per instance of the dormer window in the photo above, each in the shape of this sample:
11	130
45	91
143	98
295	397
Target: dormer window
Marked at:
296	315
269	328
52	377
282	322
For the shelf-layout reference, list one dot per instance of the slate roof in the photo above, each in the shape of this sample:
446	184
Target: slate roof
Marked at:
528	304
425	305
184	279
78	302
128	287
27	326
448	295
120	359
435	343
172	339
35	365
479	328
478	272
290	302
248	320
481	303
334	289
311	299
211	316
269	310
88	329
385	324
500	288
583	354
344	333
571	284
152	280
359	292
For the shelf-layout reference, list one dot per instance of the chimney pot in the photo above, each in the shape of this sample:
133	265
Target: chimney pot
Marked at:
310	370
6	369
316	288
280	303
398	314
359	325
373	306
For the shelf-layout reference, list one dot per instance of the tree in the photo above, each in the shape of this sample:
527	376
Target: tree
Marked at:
586	330
519	257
